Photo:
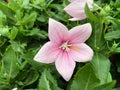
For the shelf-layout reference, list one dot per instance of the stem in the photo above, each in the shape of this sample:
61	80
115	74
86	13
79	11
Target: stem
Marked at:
46	12
101	31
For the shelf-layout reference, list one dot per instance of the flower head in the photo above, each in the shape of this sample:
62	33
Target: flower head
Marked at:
65	47
76	9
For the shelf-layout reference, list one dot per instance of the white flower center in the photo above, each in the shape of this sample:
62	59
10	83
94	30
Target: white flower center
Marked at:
65	46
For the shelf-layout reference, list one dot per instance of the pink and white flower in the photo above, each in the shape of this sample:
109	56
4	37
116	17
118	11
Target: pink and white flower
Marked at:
76	9
66	47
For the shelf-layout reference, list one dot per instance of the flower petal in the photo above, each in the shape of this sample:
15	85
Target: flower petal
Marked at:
65	65
57	31
80	34
83	54
48	53
83	16
76	8
71	0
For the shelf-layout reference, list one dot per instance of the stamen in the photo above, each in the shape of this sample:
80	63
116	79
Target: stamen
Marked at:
65	46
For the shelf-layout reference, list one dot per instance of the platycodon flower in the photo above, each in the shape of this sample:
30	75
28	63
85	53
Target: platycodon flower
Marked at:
76	9
65	47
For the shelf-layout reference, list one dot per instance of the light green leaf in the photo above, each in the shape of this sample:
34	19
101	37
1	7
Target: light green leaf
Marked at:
101	65
47	82
7	11
107	86
10	63
29	18
13	33
112	35
85	79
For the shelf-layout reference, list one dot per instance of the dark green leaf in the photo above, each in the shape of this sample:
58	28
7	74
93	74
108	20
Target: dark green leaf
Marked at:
31	77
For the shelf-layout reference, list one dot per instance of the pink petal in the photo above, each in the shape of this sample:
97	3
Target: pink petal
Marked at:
48	53
83	53
71	0
83	16
65	65
76	8
57	31
80	34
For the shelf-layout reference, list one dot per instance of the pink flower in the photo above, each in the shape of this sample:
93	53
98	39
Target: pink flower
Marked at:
65	47
76	9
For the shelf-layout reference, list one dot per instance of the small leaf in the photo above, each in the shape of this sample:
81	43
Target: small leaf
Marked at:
89	14
13	33
85	79
29	18
7	11
112	35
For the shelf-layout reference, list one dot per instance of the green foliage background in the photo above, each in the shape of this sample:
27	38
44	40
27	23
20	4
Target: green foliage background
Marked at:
23	30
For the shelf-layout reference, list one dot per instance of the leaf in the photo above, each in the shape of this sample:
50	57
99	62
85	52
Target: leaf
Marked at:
47	82
10	62
85	79
7	11
14	33
4	86
29	18
29	58
101	65
37	32
112	35
89	14
107	86
116	89
31	77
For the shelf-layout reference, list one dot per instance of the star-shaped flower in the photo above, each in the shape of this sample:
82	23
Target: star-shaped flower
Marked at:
65	48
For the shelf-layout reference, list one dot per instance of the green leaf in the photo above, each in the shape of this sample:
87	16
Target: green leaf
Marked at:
31	77
85	79
107	86
28	19
29	58
112	35
37	32
89	14
10	63
47	82
116	89
101	65
7	11
13	33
